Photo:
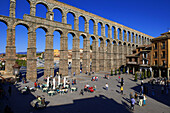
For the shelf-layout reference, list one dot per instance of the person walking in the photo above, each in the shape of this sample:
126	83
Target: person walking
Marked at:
121	89
82	92
144	99
132	103
107	86
140	100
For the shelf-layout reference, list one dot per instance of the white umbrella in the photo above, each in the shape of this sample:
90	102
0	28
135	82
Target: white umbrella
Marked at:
64	82
58	79
53	83
48	81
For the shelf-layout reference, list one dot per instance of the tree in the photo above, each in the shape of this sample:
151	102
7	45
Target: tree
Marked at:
145	75
149	74
141	76
123	70
136	77
119	71
115	71
111	72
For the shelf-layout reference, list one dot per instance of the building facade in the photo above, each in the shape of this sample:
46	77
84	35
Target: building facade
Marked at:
140	60
161	55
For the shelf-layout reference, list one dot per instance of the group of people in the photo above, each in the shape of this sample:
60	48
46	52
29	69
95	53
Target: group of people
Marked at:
94	78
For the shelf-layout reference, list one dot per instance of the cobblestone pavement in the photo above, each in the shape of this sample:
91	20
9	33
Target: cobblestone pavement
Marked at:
101	101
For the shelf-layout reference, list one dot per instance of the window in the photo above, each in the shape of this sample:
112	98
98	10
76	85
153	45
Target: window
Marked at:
163	45
163	54
155	46
156	62
155	55
163	62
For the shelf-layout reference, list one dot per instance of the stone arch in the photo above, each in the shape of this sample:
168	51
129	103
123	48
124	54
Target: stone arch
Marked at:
124	43
60	9
43	3
93	37
72	12
72	33
119	33
5	22
120	42
124	35
115	42
82	23
100	30
93	26
21	23
107	27
83	35
45	28
59	30
129	45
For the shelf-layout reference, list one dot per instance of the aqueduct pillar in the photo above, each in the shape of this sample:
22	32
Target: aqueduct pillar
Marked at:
76	56
31	56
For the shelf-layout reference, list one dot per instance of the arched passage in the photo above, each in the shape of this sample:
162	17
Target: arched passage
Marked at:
56	46
58	14
102	54
99	28
115	54
94	55
41	10
3	38
113	32
109	53
106	30
82	21
70	19
91	26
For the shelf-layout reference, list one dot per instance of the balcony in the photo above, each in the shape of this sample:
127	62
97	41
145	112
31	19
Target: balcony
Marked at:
132	63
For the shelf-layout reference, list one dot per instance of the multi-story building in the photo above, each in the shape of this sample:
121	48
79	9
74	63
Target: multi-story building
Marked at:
160	55
140	60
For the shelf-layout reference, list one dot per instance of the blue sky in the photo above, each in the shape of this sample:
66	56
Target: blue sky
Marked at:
148	16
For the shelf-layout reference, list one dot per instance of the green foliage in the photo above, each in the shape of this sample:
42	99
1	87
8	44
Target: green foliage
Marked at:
21	55
142	76
149	74
136	76
111	72
115	71
145	75
123	70
119	71
21	62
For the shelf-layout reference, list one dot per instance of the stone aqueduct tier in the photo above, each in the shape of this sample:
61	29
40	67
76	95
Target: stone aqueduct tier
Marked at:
104	58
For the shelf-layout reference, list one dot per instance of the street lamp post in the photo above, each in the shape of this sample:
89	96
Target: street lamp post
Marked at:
3	65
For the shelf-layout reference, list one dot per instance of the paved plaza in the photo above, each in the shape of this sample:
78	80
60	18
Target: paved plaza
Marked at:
101	101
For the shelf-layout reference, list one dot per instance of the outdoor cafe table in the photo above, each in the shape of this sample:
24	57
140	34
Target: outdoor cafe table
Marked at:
45	89
51	93
73	89
62	91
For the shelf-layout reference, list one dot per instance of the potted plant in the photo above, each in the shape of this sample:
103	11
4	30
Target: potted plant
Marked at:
115	71
145	75
119	71
141	76
124	70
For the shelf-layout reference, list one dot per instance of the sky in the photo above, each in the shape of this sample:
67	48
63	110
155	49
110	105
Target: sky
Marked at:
151	17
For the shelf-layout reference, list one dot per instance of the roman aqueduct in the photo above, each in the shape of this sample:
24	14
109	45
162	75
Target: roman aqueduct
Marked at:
104	58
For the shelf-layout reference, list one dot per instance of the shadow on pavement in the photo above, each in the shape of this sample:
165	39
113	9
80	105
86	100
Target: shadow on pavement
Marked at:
163	98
